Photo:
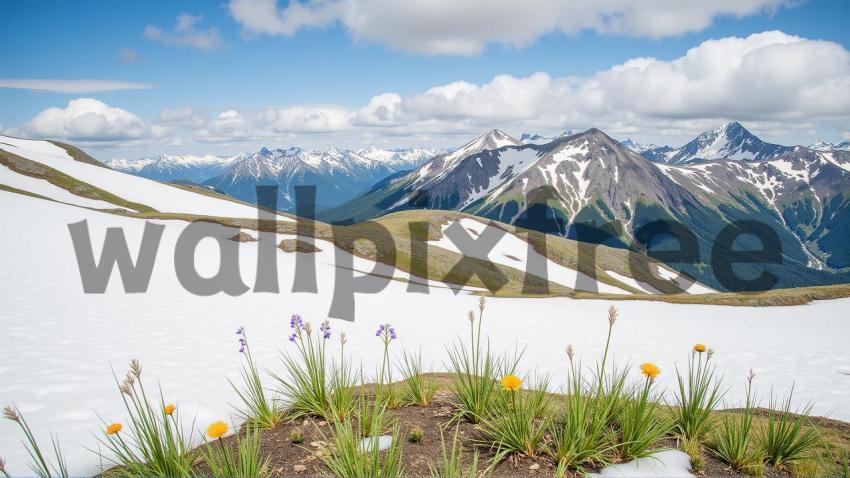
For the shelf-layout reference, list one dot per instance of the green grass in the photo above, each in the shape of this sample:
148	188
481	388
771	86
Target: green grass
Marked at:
518	424
641	424
153	442
786	438
39	464
734	441
416	389
474	370
258	408
583	434
451	460
698	394
305	385
347	457
246	461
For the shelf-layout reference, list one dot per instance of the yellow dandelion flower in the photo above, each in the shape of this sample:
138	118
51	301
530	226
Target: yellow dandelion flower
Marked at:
700	348
217	429
650	370
169	409
114	428
511	383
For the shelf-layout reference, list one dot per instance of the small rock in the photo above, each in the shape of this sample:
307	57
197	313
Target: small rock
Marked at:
305	423
534	466
299	468
384	442
323	423
315	444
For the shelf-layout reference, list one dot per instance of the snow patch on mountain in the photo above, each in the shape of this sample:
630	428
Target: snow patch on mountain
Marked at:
731	141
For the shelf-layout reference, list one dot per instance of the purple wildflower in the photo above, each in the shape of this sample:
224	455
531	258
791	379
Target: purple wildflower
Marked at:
326	329
240	331
296	322
380	330
242	349
392	333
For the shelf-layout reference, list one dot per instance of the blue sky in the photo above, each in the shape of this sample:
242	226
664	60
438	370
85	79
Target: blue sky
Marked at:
250	68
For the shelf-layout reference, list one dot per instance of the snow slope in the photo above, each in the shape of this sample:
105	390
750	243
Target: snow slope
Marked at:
513	252
162	197
60	345
45	188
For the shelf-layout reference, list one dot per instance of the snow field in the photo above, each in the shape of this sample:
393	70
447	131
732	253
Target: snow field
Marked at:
60	346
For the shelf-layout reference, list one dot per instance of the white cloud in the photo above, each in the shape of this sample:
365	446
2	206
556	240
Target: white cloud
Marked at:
186	34
185	116
71	86
466	27
769	75
88	120
783	86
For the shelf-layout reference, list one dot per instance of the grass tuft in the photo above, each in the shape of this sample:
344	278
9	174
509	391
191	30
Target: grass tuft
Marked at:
733	442
698	395
153	443
417	390
245	462
788	439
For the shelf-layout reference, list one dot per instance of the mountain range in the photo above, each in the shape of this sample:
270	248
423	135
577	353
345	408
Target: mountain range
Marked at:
580	185
590	187
338	174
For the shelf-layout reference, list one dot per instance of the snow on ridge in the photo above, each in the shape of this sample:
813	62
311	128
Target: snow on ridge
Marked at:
42	187
511	251
162	197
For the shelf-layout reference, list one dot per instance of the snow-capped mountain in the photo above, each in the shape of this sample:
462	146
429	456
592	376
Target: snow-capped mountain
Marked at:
638	147
131	166
826	146
730	141
400	159
338	175
533	138
342	172
591	188
167	167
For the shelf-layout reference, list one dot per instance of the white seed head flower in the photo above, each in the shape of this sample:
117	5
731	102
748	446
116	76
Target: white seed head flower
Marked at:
471	316
136	368
11	413
709	353
481	303
612	315
570	352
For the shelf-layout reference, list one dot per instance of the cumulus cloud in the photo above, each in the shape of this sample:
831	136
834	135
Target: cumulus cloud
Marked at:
466	27
185	116
778	83
186	34
71	86
86	119
766	75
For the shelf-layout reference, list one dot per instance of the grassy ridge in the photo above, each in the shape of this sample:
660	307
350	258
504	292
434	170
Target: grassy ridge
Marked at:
441	262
